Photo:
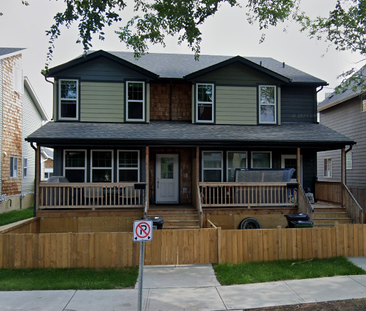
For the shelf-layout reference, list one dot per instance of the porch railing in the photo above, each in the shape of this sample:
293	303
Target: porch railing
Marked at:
248	194
304	204
339	193
95	195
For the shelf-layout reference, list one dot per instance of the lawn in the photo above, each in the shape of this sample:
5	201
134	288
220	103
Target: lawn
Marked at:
56	279
258	272
14	216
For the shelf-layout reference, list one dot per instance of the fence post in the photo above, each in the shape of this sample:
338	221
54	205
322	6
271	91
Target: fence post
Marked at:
336	225
219	249
279	229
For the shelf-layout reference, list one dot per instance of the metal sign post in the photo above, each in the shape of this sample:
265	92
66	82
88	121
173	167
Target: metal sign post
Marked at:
142	231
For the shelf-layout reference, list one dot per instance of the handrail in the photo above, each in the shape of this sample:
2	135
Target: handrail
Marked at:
211	223
305	205
353	208
199	202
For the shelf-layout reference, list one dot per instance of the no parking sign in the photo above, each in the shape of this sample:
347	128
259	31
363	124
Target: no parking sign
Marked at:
142	230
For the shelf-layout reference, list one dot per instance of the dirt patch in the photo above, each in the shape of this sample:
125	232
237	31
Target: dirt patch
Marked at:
341	305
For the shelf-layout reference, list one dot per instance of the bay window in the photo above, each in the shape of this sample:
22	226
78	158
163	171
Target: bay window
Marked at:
75	165
261	159
235	159
101	166
128	166
212	166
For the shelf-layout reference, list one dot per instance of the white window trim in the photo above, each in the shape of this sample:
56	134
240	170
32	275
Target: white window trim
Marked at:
227	161
213	169
75	168
68	99
136	101
129	168
349	160
331	169
13	169
25	167
275	104
212	103
101	168
270	159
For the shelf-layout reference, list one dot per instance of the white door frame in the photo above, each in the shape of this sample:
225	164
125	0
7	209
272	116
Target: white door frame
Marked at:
174	199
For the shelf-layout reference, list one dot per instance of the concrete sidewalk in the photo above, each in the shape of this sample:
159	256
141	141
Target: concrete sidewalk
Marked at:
194	287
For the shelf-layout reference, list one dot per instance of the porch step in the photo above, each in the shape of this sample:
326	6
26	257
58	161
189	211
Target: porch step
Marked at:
176	217
327	214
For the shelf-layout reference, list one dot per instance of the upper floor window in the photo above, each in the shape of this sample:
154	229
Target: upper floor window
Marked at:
75	165
128	165
349	160
13	167
267	104
135	101
205	103
68	99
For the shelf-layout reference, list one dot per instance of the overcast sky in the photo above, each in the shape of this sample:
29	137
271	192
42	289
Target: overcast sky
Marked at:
227	33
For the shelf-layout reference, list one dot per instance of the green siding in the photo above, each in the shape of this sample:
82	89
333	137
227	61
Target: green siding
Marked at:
237	74
236	105
101	102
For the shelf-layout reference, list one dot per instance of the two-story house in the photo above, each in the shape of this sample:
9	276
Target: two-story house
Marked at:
345	112
20	114
181	128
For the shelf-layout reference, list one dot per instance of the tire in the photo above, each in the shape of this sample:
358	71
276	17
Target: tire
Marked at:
250	223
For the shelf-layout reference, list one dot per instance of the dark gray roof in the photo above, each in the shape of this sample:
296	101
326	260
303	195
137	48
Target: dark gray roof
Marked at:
338	98
178	66
186	133
6	51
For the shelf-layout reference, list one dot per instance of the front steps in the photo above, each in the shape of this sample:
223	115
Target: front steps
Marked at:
327	214
176	217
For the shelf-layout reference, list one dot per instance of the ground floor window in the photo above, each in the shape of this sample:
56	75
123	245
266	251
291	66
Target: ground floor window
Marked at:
212	166
261	159
128	166
235	159
75	165
25	167
349	160
101	166
13	167
328	167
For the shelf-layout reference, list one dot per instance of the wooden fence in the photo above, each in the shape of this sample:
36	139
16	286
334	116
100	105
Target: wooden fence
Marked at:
190	246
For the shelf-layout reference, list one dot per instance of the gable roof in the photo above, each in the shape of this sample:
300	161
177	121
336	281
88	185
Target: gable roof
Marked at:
337	98
7	52
35	99
184	66
180	133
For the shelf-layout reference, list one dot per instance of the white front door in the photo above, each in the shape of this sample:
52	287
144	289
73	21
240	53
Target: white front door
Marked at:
167	178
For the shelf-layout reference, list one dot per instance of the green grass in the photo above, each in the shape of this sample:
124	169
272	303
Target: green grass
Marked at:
57	279
257	272
13	216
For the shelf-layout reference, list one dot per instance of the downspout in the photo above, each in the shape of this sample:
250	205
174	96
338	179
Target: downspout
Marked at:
53	110
345	175
35	183
171	100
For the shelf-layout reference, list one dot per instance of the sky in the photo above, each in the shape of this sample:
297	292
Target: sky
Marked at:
227	33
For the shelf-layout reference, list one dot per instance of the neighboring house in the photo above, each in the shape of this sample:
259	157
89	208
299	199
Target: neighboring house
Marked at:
181	127
20	114
47	163
345	112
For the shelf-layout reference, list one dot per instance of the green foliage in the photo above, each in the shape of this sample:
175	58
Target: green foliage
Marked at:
58	279
257	272
13	216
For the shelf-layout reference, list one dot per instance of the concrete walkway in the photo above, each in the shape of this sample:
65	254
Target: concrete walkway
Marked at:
194	287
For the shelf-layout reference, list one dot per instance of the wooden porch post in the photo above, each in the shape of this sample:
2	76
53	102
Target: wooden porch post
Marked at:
147	176
197	172
298	166
38	176
343	173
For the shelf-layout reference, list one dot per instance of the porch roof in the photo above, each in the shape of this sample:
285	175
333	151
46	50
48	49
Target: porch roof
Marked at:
179	133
